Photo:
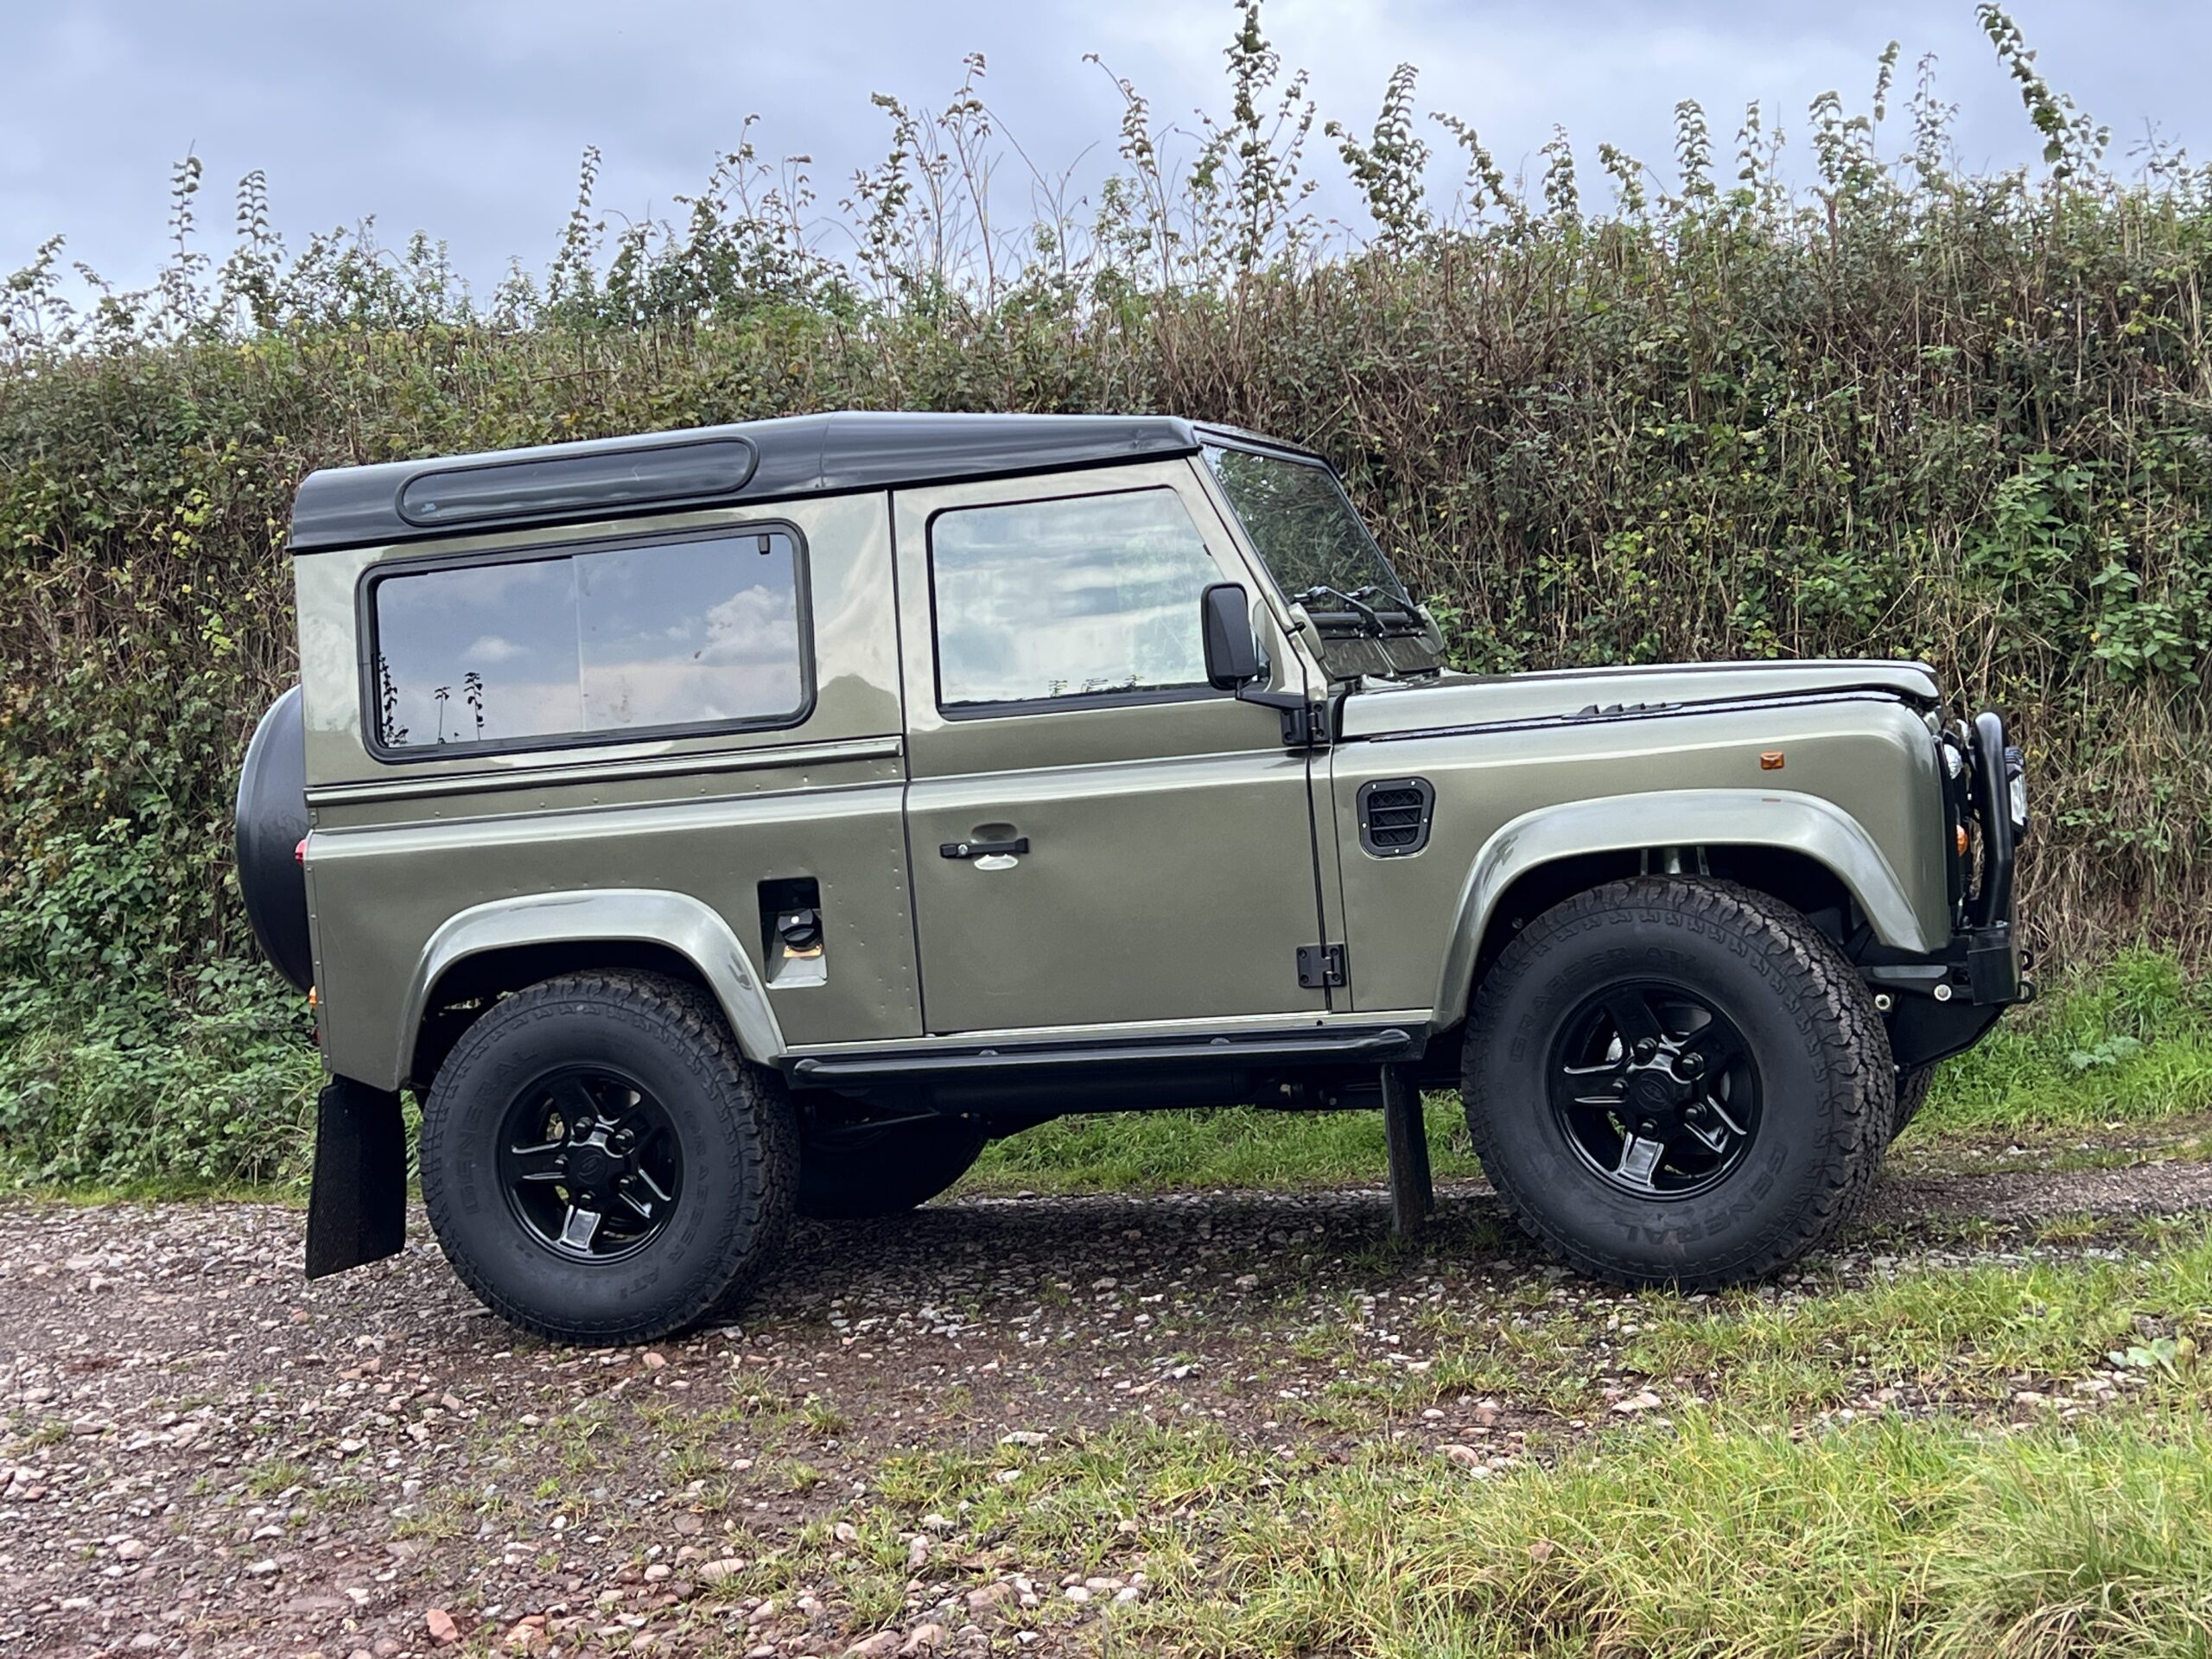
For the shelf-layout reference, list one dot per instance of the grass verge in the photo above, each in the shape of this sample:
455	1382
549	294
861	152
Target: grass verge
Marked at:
1707	1537
1744	1516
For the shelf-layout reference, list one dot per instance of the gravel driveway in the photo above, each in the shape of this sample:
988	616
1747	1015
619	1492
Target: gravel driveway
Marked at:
207	1455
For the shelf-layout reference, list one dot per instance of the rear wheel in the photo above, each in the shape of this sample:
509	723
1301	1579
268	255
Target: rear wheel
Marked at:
600	1164
859	1170
1677	1082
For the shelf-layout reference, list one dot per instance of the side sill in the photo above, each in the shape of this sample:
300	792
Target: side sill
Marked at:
1375	1045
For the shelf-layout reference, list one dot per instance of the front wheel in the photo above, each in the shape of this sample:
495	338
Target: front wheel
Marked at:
1677	1082
600	1164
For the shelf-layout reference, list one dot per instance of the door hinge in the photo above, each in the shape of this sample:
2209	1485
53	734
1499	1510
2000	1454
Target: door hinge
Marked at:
1321	966
1306	727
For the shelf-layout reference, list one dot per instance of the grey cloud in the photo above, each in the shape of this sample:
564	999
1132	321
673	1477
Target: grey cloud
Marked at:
467	120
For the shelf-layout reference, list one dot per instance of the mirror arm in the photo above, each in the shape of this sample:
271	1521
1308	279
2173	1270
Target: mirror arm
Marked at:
1304	725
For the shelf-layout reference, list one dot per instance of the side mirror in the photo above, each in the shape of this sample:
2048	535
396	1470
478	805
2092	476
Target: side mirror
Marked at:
1232	654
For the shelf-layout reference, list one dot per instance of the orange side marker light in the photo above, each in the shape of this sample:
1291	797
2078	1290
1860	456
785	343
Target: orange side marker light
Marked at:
1771	761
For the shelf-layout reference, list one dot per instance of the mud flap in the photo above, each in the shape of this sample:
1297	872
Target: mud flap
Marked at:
356	1209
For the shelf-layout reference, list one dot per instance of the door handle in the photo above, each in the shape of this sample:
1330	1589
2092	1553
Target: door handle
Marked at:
1018	845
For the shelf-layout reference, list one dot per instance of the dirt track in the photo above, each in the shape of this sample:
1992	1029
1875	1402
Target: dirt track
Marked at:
207	1455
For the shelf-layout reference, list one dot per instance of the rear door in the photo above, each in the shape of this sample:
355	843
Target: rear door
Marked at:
1096	837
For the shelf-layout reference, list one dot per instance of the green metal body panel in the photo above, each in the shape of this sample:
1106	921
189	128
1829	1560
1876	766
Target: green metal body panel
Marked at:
1148	825
1179	854
1858	777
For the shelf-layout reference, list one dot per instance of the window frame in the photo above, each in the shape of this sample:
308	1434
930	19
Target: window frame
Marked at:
365	628
1067	702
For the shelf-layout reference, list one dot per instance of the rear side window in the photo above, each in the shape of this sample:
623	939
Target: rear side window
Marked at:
636	639
1090	596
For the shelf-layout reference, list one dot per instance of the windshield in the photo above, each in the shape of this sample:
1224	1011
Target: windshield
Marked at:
1305	530
1321	554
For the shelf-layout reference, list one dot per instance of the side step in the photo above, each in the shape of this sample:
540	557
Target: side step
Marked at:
1374	1046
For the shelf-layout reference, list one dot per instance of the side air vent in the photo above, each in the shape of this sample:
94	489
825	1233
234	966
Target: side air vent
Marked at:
1394	814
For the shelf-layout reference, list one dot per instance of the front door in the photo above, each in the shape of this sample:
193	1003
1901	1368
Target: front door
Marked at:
1096	835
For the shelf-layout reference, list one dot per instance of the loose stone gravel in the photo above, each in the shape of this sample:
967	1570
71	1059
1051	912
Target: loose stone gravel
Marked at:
206	1455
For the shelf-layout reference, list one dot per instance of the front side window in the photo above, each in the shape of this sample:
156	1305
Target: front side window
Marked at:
705	632
1092	595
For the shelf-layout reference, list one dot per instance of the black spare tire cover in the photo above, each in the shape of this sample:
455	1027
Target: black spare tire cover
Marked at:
272	821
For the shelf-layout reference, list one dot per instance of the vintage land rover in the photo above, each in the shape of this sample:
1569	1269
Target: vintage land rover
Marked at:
716	825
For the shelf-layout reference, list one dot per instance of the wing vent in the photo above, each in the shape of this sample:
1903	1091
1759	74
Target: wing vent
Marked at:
1395	814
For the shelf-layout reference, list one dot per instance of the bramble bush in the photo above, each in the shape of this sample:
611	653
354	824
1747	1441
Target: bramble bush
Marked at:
1902	409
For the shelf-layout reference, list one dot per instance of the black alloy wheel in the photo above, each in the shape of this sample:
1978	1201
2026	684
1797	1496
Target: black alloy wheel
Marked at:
1677	1081
591	1163
601	1162
1656	1089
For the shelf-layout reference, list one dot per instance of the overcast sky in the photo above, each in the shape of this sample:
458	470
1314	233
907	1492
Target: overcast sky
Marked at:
466	118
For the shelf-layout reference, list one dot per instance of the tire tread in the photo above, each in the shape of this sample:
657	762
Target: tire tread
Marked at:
691	1025
1854	1043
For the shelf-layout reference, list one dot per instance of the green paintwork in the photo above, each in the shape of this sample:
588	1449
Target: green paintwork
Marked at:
1179	853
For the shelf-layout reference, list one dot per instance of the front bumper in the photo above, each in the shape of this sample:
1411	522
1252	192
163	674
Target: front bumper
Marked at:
1938	1004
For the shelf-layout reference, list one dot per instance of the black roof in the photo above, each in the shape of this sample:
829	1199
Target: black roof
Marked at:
661	472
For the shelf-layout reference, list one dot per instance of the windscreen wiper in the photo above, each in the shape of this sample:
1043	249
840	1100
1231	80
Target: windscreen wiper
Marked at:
1357	602
1351	602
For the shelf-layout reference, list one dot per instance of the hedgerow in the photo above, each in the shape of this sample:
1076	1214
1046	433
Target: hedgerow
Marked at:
1901	410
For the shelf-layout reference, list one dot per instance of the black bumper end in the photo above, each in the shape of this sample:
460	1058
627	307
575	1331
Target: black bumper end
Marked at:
356	1209
1936	1006
1993	966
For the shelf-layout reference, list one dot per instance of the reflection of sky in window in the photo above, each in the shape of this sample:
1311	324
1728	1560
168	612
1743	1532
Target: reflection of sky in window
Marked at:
1058	598
695	632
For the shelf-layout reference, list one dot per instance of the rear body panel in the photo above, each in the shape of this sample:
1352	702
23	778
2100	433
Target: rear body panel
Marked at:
400	850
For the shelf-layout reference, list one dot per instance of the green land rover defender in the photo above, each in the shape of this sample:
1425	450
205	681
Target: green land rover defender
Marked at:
713	826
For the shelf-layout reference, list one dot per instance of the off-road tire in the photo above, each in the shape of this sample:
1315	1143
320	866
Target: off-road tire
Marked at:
1826	1081
856	1176
733	1122
1912	1094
